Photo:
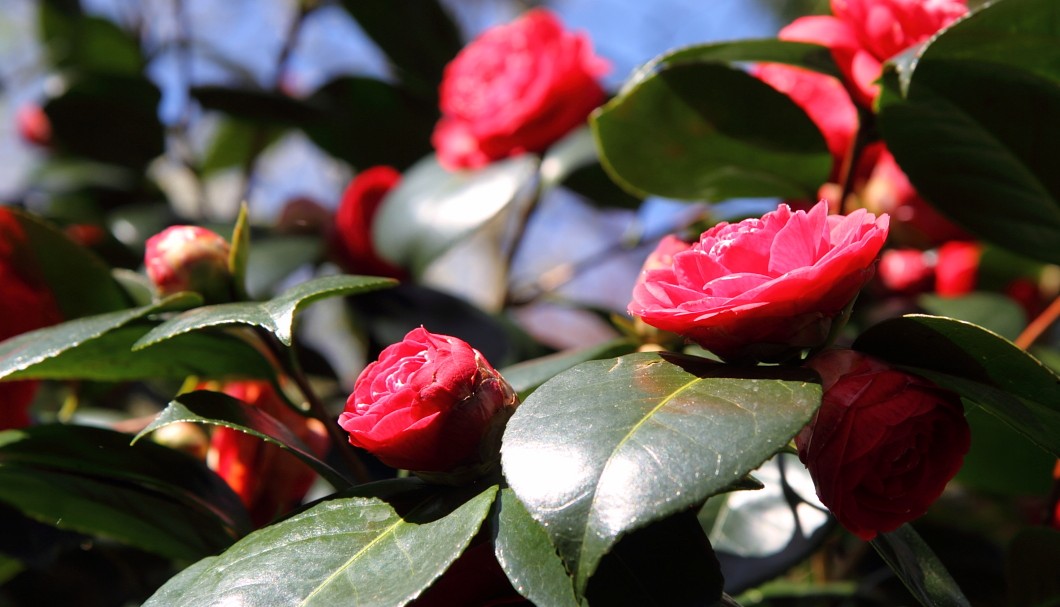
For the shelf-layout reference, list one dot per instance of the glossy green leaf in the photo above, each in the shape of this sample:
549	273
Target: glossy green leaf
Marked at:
919	569
376	550
110	357
992	311
979	123
977	364
528	375
527	556
92	481
708	131
276	315
767	50
433	209
611	445
667	563
1030	568
33	348
80	280
220	409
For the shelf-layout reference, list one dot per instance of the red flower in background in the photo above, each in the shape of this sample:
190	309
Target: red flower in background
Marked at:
268	480
883	444
34	125
430	403
762	289
862	34
26	304
516	88
957	268
352	236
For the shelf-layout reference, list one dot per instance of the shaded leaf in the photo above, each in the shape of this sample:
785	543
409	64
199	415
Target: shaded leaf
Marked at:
222	410
919	569
255	106
612	445
979	120
381	550
992	311
235	142
33	348
275	258
276	315
528	375
1001	461
527	556
977	364
1031	568
91	480
433	209
708	131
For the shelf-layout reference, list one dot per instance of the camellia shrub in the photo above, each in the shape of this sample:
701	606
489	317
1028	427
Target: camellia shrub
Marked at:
831	379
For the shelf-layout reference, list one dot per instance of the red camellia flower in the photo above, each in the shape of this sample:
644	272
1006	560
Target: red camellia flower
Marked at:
189	258
516	88
26	304
268	480
431	403
957	268
905	270
884	443
862	34
352	237
763	289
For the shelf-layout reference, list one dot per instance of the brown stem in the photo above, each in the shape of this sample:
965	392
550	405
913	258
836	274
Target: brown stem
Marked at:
1039	325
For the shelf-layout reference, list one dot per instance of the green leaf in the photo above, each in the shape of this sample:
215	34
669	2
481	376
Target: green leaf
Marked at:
708	131
527	556
255	106
80	280
1030	568
770	50
1000	461
612	445
92	481
977	364
980	121
377	550
432	209
274	258
222	410
528	375
235	142
992	311
33	348
110	357
9	568
276	315
88	43
919	569
240	251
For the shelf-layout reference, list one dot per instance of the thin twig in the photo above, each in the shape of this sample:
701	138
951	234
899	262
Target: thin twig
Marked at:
1039	325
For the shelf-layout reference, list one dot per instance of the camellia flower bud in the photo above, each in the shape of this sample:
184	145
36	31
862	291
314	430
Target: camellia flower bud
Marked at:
883	444
430	403
190	258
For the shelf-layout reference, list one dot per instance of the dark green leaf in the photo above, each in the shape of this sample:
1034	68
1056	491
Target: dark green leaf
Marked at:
992	311
977	364
91	480
527	556
1031	568
1001	461
919	569
418	36
612	445
433	209
81	282
980	121
274	259
357	114
223	410
526	376
33	348
110	357
355	550
708	131
95	44
235	142
255	106
667	563
276	315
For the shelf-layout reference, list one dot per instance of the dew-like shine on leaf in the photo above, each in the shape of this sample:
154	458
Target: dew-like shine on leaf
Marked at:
611	445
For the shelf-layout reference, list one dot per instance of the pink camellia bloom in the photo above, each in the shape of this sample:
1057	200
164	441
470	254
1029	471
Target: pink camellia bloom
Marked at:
516	88
957	268
26	304
352	236
862	34
268	480
905	270
430	403
189	258
824	100
763	289
883	444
